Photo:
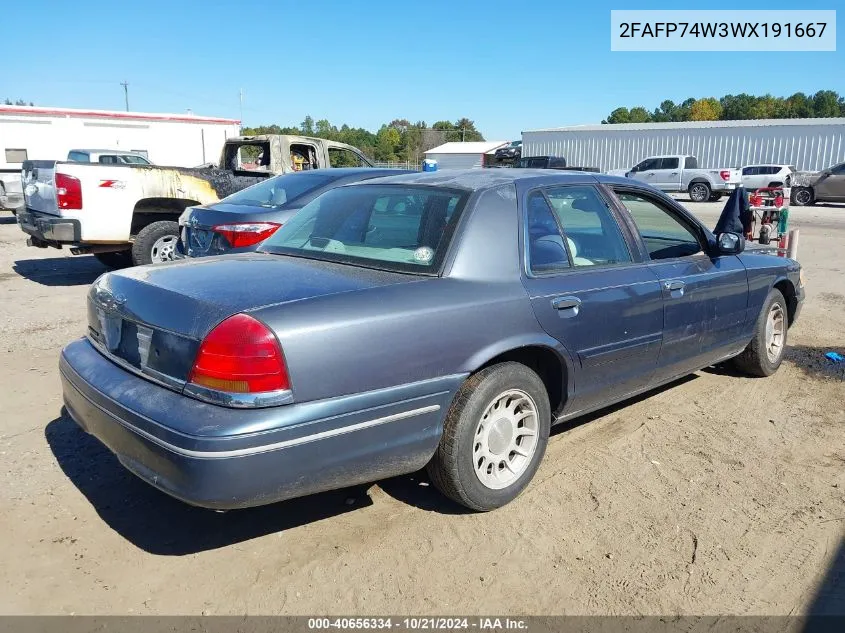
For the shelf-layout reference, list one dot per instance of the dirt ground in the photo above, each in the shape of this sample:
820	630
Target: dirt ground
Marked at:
719	494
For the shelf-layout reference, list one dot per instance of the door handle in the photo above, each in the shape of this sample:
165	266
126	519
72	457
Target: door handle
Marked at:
675	287
566	303
674	173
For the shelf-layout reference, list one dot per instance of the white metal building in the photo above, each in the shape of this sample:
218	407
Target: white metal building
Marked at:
35	133
182	140
463	155
809	144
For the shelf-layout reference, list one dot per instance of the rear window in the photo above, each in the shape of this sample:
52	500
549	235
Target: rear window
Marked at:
393	227
78	157
276	192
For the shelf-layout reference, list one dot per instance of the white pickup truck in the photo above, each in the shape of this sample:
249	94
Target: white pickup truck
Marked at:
679	172
128	214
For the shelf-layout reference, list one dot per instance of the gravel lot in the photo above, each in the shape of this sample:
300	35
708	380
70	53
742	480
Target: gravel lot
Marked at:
718	494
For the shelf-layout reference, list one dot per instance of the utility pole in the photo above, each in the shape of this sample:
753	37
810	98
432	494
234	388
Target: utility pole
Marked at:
241	95
126	93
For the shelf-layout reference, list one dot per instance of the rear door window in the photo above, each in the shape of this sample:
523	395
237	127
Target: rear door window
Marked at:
669	163
547	252
591	233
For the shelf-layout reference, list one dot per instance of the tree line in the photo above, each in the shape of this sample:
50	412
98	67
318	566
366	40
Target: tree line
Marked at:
19	102
823	104
397	141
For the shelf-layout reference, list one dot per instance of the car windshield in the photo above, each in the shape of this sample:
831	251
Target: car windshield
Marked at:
278	191
393	227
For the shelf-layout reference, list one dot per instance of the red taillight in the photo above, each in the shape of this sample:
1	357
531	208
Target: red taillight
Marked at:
68	192
240	355
247	234
725	174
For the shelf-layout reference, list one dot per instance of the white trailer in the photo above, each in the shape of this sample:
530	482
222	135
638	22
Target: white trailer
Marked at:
809	144
464	155
36	133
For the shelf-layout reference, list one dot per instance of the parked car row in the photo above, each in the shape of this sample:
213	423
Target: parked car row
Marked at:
123	210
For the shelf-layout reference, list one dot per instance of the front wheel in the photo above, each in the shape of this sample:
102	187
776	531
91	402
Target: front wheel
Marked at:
699	192
764	353
803	197
494	437
714	197
155	243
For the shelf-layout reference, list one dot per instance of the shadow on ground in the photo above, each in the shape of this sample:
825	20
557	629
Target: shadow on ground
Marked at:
8	219
829	600
60	271
161	525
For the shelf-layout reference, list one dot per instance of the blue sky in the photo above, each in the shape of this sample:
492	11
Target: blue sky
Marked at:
509	65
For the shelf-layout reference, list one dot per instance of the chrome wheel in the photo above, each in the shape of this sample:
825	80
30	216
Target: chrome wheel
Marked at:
775	332
505	439
699	193
803	197
163	249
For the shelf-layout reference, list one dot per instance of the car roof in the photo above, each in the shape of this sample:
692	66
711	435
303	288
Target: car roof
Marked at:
478	179
107	151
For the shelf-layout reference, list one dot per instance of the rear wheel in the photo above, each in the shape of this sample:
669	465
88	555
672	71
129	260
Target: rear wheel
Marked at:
699	191
764	353
117	259
803	197
494	437
155	243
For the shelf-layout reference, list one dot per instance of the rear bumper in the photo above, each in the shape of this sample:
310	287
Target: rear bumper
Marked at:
48	230
222	458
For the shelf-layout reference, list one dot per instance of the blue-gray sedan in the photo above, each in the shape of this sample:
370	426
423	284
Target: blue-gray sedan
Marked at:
240	222
445	320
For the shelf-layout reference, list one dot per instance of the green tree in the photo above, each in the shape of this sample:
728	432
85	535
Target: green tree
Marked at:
307	126
827	103
639	115
707	109
619	115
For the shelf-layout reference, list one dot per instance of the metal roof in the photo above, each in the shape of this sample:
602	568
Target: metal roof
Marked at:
685	125
74	113
468	147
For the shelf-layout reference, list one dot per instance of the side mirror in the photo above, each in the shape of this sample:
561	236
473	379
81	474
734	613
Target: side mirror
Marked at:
730	243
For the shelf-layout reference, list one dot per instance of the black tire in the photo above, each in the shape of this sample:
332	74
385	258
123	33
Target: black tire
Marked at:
148	238
754	359
699	191
115	260
803	197
765	234
715	197
453	468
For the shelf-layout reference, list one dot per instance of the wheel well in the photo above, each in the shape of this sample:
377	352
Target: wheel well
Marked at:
546	363
788	291
776	183
149	210
699	181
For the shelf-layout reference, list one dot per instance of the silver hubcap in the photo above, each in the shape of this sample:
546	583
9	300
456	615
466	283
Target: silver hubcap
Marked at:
505	439
775	332
698	192
163	249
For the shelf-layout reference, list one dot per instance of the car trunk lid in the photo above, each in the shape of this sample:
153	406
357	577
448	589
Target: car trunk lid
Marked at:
151	319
